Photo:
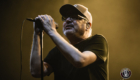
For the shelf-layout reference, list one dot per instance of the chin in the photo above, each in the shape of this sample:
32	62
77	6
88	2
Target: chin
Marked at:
68	32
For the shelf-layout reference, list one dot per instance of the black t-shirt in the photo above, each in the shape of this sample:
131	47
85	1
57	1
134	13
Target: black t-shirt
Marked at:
64	70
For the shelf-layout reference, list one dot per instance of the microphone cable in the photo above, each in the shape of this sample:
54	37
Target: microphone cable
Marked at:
21	48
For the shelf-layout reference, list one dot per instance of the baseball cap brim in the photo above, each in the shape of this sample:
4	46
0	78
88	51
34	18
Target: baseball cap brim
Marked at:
68	10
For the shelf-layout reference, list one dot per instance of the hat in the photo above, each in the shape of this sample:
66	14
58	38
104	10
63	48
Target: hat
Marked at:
78	9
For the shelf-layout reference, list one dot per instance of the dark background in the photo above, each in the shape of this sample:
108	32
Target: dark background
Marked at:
117	20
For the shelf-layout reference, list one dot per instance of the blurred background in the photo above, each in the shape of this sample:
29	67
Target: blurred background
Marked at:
117	20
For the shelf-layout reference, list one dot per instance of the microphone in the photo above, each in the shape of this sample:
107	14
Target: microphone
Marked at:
33	20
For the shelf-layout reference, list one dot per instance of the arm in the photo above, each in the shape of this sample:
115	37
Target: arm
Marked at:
35	60
77	58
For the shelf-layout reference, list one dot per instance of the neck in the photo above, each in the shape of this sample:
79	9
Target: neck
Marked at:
75	40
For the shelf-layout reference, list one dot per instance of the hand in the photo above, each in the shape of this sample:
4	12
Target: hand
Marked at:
47	23
37	26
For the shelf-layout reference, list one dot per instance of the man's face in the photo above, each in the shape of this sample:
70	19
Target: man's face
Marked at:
74	27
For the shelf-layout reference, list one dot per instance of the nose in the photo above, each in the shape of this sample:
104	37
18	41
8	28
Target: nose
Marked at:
68	20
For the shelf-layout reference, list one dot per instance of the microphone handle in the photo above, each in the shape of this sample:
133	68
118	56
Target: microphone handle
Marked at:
30	19
33	20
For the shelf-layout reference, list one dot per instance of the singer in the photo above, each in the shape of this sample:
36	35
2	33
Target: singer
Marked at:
84	57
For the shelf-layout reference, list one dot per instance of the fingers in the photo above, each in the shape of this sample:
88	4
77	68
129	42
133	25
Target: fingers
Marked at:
50	18
47	22
44	18
47	16
41	18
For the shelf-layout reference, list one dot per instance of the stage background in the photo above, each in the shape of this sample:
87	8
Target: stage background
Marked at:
117	20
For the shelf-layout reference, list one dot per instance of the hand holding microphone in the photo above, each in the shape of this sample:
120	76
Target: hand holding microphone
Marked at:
44	22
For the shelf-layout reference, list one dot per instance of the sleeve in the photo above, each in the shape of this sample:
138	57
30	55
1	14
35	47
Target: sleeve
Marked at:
98	45
52	57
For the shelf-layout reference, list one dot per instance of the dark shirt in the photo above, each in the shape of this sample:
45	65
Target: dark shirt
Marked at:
64	70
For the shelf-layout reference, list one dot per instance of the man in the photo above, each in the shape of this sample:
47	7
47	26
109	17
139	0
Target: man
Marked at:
84	58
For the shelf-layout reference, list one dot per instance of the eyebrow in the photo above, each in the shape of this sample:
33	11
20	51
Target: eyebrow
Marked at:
83	17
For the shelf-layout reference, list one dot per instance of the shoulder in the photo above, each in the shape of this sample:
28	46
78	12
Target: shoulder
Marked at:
97	38
98	45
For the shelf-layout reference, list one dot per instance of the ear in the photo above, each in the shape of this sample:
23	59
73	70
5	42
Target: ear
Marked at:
88	25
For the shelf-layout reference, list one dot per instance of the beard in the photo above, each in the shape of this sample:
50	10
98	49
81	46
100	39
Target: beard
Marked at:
69	32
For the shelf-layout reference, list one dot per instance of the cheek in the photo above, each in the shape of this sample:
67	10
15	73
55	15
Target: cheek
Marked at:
83	27
64	23
76	25
79	25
